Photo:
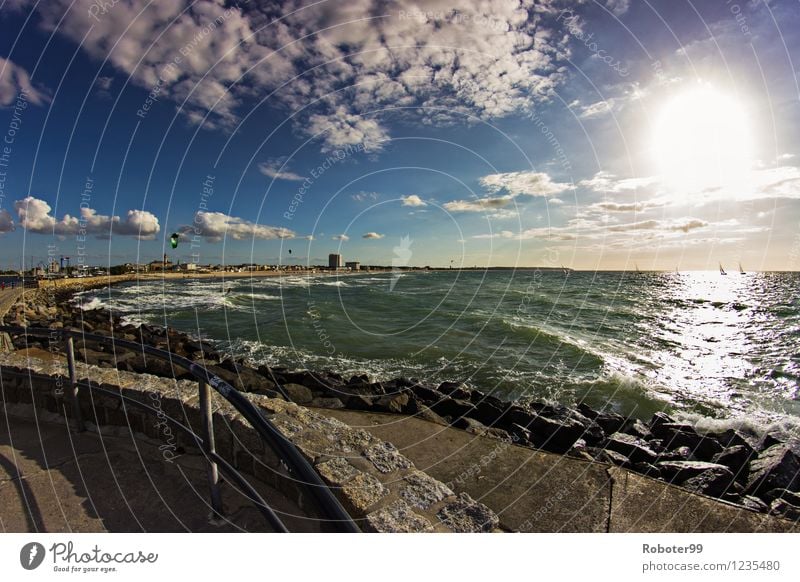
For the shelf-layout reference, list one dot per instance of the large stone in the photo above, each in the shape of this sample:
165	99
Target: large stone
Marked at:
714	482
337	471
422	491
776	468
610	422
455	390
397	517
676	435
635	449
453	407
736	459
465	515
680	471
362	492
298	393
783	508
555	434
394	403
386	458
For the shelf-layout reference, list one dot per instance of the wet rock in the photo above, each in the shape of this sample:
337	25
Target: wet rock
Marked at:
455	390
680	471
470	425
638	429
489	412
635	449
782	508
298	393
679	454
660	418
610	422
555	434
359	402
330	403
612	457
785	494
776	468
713	482
736	459
733	437
522	434
394	403
427	394
753	503
647	469
676	435
453	407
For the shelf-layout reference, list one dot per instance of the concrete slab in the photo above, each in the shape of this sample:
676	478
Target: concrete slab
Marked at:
537	491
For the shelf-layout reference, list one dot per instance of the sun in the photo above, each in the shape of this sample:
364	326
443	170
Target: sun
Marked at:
702	142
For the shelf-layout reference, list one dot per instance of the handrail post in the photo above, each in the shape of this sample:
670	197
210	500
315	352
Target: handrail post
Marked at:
73	387
209	446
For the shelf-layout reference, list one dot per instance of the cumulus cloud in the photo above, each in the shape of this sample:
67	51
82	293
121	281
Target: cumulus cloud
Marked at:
6	222
607	182
341	237
276	169
215	226
34	216
372	235
523	184
478	205
683	225
413	200
15	80
437	61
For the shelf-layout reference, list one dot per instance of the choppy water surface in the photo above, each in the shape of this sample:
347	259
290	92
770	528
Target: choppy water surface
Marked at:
719	347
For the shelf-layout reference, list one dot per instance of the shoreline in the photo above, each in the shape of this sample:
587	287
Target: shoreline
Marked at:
758	472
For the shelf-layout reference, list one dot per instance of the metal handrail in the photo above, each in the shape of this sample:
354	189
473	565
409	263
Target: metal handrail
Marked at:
329	505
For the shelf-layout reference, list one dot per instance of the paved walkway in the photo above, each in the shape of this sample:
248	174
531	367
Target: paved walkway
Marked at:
543	492
52	480
8	297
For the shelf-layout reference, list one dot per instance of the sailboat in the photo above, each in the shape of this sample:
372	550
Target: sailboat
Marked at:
741	271
636	265
721	270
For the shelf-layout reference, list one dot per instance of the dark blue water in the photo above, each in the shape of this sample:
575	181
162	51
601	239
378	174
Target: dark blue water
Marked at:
712	346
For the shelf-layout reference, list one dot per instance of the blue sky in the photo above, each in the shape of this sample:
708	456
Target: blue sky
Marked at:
591	134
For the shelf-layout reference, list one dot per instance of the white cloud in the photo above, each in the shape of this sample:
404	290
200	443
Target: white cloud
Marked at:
6	222
215	226
14	80
441	61
597	109
276	169
341	237
607	182
34	216
372	235
523	184
413	200
555	201
478	205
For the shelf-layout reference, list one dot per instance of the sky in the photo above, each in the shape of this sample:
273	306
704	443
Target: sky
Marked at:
604	134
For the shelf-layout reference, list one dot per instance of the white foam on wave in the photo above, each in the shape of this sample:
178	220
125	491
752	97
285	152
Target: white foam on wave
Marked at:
93	303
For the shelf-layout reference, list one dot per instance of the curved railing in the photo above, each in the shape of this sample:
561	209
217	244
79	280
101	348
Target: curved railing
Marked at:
304	474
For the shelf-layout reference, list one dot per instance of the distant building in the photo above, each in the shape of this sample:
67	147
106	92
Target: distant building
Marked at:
334	261
353	265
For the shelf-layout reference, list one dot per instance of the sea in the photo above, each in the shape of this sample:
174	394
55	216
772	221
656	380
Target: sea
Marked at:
718	350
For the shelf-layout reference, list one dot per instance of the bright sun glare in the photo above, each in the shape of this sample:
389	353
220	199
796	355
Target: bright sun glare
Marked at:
702	141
